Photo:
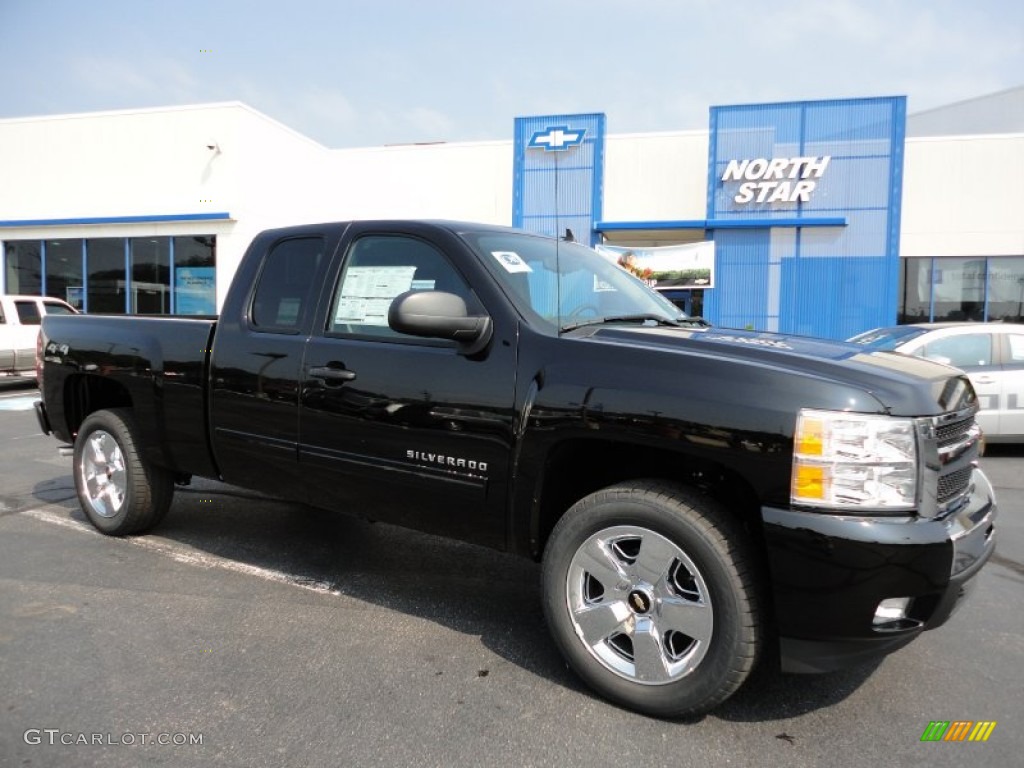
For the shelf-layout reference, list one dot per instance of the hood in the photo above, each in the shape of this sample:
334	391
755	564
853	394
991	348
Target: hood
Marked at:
904	385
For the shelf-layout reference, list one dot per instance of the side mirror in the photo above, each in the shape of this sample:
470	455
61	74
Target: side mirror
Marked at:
440	315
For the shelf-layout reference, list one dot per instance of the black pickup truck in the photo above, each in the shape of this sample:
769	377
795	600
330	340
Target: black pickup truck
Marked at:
699	497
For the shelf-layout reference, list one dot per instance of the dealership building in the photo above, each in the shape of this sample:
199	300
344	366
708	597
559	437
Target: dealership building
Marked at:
826	217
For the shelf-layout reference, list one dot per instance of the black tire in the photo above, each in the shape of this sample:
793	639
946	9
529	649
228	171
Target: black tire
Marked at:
120	493
649	592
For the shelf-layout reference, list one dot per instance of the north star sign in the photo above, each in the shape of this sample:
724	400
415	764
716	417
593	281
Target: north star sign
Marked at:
557	138
776	180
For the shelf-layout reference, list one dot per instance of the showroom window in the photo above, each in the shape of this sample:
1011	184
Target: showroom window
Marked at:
105	263
962	289
141	275
1006	289
24	267
151	275
64	278
195	275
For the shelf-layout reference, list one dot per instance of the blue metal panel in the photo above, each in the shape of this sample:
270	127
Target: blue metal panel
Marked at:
156	217
810	221
625	226
557	174
42	267
127	276
742	258
85	277
768	167
172	280
837	289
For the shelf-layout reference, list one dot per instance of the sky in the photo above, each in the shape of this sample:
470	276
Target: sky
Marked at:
356	74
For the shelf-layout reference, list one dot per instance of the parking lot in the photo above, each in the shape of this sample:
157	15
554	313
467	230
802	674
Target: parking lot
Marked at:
248	631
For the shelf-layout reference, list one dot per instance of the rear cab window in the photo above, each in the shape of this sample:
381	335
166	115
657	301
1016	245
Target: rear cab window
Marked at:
287	287
28	312
56	308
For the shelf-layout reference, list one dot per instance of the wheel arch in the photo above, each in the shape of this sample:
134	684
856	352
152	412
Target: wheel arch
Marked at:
576	468
85	394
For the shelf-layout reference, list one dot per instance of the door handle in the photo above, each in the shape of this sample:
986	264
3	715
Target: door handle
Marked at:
984	380
331	373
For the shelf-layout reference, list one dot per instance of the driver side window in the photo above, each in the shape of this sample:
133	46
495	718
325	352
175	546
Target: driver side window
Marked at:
377	269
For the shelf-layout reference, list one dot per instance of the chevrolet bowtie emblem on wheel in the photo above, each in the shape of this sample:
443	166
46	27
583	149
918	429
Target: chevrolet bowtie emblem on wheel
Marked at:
557	138
641	603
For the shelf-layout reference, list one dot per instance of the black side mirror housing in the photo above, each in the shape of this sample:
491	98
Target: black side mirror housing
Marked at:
440	315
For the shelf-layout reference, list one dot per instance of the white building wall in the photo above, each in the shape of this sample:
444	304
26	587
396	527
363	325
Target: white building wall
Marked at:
115	163
157	162
963	196
470	182
656	176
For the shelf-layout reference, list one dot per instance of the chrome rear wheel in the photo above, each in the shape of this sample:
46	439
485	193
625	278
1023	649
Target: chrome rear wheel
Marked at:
103	476
120	491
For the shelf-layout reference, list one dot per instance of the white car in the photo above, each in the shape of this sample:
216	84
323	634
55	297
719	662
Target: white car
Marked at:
992	355
20	317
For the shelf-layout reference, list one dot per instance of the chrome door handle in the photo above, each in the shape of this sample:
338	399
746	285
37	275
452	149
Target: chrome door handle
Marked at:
333	374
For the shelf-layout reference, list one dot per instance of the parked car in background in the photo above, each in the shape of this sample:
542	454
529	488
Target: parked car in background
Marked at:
992	355
20	317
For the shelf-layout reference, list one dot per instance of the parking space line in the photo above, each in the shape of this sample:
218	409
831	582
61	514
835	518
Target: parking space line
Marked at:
188	557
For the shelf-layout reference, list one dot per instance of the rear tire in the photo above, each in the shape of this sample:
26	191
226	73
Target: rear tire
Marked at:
119	492
649	593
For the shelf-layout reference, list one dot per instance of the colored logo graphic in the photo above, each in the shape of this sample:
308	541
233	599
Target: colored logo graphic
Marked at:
958	730
557	138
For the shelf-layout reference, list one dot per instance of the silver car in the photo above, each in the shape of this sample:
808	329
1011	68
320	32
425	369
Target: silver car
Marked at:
992	355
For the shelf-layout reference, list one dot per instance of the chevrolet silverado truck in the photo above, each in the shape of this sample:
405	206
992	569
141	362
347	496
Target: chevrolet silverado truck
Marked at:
698	497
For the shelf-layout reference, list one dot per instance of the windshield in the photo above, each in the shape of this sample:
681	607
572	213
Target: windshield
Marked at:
562	285
888	339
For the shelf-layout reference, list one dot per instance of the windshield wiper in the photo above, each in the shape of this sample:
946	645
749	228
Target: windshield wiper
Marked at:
637	318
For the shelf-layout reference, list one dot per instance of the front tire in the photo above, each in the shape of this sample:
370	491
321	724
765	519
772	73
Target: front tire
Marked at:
120	493
649	593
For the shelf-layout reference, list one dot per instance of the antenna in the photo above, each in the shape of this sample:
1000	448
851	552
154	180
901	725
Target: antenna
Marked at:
558	265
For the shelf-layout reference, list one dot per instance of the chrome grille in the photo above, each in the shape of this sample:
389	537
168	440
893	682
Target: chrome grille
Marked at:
954	484
949	434
956	438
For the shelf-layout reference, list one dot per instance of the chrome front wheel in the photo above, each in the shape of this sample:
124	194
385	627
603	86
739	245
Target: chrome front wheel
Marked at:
639	604
651	595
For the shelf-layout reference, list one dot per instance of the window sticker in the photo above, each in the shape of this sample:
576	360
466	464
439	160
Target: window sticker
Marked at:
511	261
288	311
422	285
601	286
367	293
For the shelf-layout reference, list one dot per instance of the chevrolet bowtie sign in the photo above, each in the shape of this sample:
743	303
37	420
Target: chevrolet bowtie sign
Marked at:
557	138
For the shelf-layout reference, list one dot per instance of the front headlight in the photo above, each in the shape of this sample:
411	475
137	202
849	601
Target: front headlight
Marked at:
854	461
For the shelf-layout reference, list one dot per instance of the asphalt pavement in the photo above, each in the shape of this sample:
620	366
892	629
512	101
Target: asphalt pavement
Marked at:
246	631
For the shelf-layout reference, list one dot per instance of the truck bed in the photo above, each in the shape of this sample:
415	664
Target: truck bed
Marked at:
160	365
